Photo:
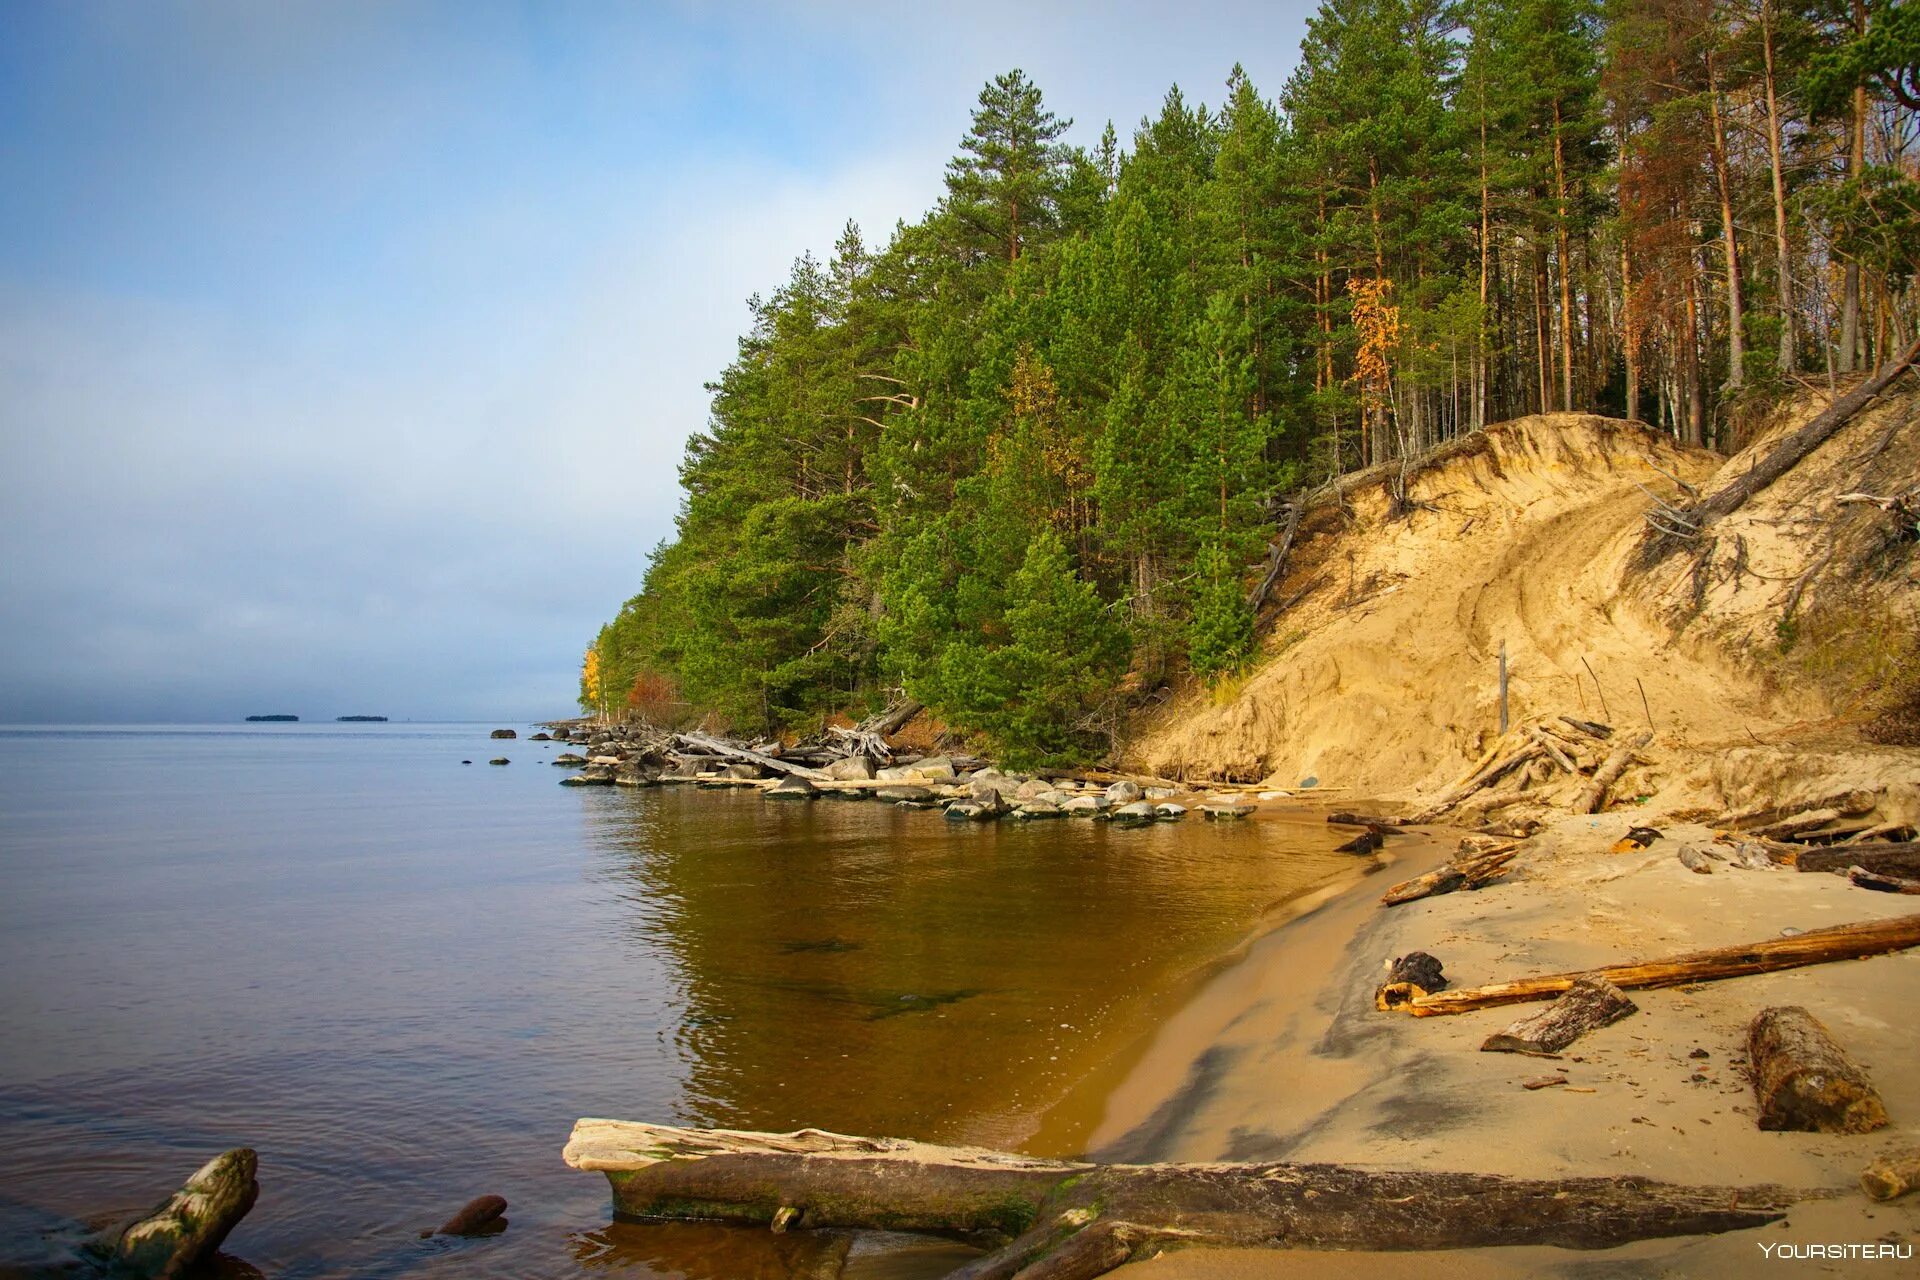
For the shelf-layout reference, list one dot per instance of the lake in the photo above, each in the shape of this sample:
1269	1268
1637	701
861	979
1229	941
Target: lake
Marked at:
401	978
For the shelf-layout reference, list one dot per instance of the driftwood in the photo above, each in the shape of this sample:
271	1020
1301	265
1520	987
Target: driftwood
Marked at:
1695	860
1588	1005
1345	819
1466	871
1816	946
1592	728
1889	859
1784	456
1277	561
186	1230
1891	1176
1866	879
1066	1220
1804	1081
1594	798
714	746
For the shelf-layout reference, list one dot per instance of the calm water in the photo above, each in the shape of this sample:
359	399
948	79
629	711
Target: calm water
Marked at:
402	979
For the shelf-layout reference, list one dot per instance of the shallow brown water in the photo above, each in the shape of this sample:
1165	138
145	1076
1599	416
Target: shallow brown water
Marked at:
401	979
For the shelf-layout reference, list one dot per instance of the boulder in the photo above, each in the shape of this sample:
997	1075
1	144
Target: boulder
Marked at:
995	788
1227	807
743	772
1138	811
905	794
1084	806
972	811
541	737
1037	808
585	780
895	773
480	1216
503	733
792	788
1123	792
1033	789
606	758
934	769
186	1230
632	775
568	760
1169	812
851	769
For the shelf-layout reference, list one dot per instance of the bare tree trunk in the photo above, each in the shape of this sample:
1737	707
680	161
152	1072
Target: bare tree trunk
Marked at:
1856	163
1566	262
1736	312
1784	261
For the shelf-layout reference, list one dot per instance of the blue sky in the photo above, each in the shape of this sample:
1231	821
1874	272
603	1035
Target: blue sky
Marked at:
347	350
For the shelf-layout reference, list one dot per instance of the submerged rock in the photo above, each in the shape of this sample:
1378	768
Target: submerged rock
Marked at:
503	733
479	1216
541	737
905	794
499	760
1227	808
189	1227
1039	809
1084	806
792	788
568	760
1169	812
1138	811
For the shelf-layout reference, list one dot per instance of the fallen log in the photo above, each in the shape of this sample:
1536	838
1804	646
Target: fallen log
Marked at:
1695	860
1067	1220
1485	776
1816	946
1365	842
1368	820
1462	873
1891	1176
893	719
1866	879
1592	728
1594	798
1888	859
714	746
1589	1004
1804	1081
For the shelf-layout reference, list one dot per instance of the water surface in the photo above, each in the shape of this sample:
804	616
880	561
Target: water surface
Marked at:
402	978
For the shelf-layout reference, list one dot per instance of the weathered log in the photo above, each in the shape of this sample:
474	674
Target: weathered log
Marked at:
1588	1005
1888	859
894	718
1365	842
1866	879
1462	873
1594	798
1695	860
1816	946
1592	728
1488	774
1554	753
730	751
1804	1081
186	1230
1368	820
1065	1220
1891	1176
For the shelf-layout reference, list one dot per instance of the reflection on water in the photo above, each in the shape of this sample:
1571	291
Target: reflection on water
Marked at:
401	980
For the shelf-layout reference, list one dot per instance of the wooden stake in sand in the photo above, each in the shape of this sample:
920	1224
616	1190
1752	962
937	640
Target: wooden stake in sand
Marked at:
1817	946
1065	1220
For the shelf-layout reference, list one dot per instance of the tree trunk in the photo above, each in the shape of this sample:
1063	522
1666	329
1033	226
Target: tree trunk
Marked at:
1594	798
1803	1081
1856	163
1736	310
185	1231
1566	262
1784	261
1816	946
1066	1220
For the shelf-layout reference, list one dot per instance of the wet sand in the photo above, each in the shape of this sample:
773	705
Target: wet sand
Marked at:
1283	1056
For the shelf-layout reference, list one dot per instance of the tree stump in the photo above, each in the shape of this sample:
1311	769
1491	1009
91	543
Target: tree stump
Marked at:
189	1226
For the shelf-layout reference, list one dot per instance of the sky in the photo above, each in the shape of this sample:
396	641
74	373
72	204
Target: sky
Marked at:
347	350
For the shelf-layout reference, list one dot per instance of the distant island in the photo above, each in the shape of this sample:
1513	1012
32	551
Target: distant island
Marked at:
253	719
360	719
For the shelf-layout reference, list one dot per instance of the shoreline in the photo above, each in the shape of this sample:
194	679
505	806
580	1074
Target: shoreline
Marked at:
1282	1056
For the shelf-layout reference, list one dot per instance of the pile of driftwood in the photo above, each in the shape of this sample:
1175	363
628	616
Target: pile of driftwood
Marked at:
1555	762
1843	818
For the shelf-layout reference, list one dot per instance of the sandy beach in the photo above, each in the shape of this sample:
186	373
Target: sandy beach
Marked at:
1283	1055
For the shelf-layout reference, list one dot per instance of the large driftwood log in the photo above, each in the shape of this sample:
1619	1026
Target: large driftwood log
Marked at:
186	1230
1594	798
1888	859
1588	1005
1804	1081
1065	1220
1466	871
1816	946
